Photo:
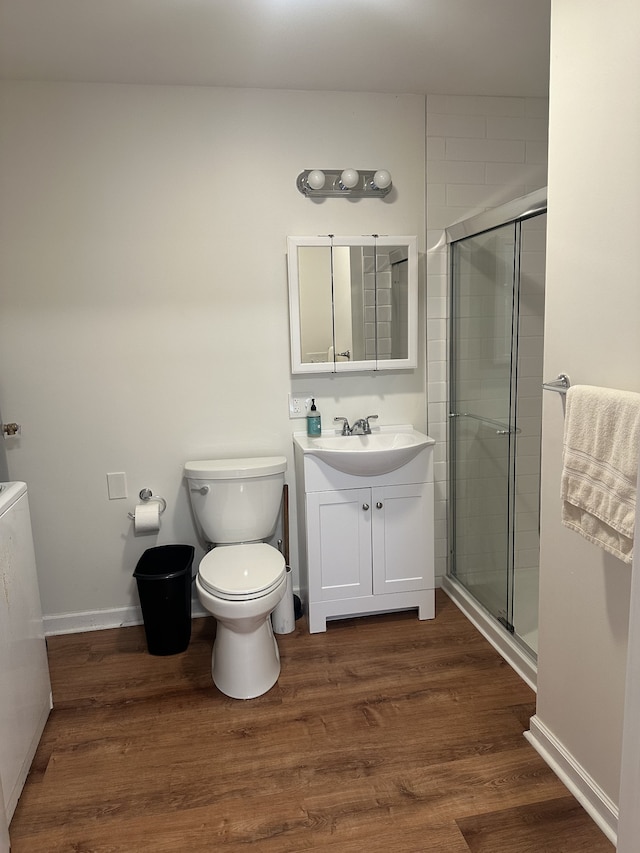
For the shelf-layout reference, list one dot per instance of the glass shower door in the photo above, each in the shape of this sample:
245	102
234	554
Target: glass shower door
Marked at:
482	417
526	530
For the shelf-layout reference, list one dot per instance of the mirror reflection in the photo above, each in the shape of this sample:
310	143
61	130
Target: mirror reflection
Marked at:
353	303
316	303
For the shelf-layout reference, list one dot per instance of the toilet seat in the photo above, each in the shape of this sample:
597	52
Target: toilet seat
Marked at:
242	572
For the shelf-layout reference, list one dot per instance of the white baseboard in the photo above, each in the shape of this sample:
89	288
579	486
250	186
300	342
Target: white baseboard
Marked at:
99	620
590	795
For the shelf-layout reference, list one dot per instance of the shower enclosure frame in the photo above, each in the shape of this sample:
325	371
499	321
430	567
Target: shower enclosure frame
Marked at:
498	631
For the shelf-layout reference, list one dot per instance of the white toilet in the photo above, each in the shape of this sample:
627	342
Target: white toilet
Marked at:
241	580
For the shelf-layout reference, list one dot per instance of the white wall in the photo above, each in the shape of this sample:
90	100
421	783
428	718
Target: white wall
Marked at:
143	311
481	152
592	332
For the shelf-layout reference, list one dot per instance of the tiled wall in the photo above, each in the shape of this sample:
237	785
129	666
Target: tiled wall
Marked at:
378	305
481	152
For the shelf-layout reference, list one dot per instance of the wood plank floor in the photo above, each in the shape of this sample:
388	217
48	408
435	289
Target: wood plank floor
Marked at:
384	734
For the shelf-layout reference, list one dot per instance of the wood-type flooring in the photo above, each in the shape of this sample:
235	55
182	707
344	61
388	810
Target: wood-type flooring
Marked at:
383	734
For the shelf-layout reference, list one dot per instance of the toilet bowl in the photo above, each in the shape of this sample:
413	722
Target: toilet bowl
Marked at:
245	661
241	580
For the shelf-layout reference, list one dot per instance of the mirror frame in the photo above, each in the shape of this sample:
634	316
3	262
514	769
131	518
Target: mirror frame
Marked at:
408	363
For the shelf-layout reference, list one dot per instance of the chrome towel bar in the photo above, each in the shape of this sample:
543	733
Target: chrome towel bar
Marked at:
561	384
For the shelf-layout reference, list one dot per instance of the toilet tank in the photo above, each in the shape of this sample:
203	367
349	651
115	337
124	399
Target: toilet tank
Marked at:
236	500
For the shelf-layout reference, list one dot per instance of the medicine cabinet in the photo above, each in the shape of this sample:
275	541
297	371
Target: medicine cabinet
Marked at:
353	303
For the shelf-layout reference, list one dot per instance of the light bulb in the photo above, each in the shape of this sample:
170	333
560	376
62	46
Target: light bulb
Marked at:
315	179
382	179
349	178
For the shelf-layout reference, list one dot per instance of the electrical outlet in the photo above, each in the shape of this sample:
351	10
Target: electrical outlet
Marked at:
299	404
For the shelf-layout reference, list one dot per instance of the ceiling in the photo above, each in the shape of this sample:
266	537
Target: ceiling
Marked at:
471	47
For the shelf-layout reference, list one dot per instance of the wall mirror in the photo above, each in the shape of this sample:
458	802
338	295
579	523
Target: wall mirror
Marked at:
353	303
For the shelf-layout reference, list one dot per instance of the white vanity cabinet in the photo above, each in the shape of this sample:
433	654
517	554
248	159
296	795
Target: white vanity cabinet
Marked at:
366	544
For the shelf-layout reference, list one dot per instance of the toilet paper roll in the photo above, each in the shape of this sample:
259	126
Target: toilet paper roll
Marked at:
146	517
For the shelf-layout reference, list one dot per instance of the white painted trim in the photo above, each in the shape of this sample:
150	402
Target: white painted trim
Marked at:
100	620
629	819
493	632
587	792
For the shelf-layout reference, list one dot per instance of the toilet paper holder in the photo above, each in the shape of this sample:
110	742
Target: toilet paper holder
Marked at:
147	495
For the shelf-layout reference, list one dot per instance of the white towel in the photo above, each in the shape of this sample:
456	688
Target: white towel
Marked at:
600	466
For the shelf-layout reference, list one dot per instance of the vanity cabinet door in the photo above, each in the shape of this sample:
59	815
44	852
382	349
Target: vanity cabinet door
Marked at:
402	534
339	544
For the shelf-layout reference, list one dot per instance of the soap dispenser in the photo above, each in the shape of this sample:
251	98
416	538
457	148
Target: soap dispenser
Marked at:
314	424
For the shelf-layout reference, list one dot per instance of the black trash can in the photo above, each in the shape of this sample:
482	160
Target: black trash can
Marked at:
164	586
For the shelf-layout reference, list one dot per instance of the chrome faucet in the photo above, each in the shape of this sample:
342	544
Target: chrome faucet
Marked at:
362	426
346	429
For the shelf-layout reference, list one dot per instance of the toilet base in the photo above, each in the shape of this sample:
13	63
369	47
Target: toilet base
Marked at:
244	666
245	661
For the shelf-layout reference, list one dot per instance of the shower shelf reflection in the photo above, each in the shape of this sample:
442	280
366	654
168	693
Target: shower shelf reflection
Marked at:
502	429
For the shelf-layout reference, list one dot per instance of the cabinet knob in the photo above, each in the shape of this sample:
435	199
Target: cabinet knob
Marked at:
379	505
365	507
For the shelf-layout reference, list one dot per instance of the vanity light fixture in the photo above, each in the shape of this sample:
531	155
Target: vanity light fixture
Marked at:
348	179
316	179
347	183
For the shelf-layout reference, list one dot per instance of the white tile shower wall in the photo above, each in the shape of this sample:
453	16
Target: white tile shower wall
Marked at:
384	305
481	152
378	303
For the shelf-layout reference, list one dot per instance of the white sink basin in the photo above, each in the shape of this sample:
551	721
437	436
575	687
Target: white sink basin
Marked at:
366	455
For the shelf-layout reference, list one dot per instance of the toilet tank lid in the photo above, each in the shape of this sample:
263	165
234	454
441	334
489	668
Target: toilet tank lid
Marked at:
231	469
